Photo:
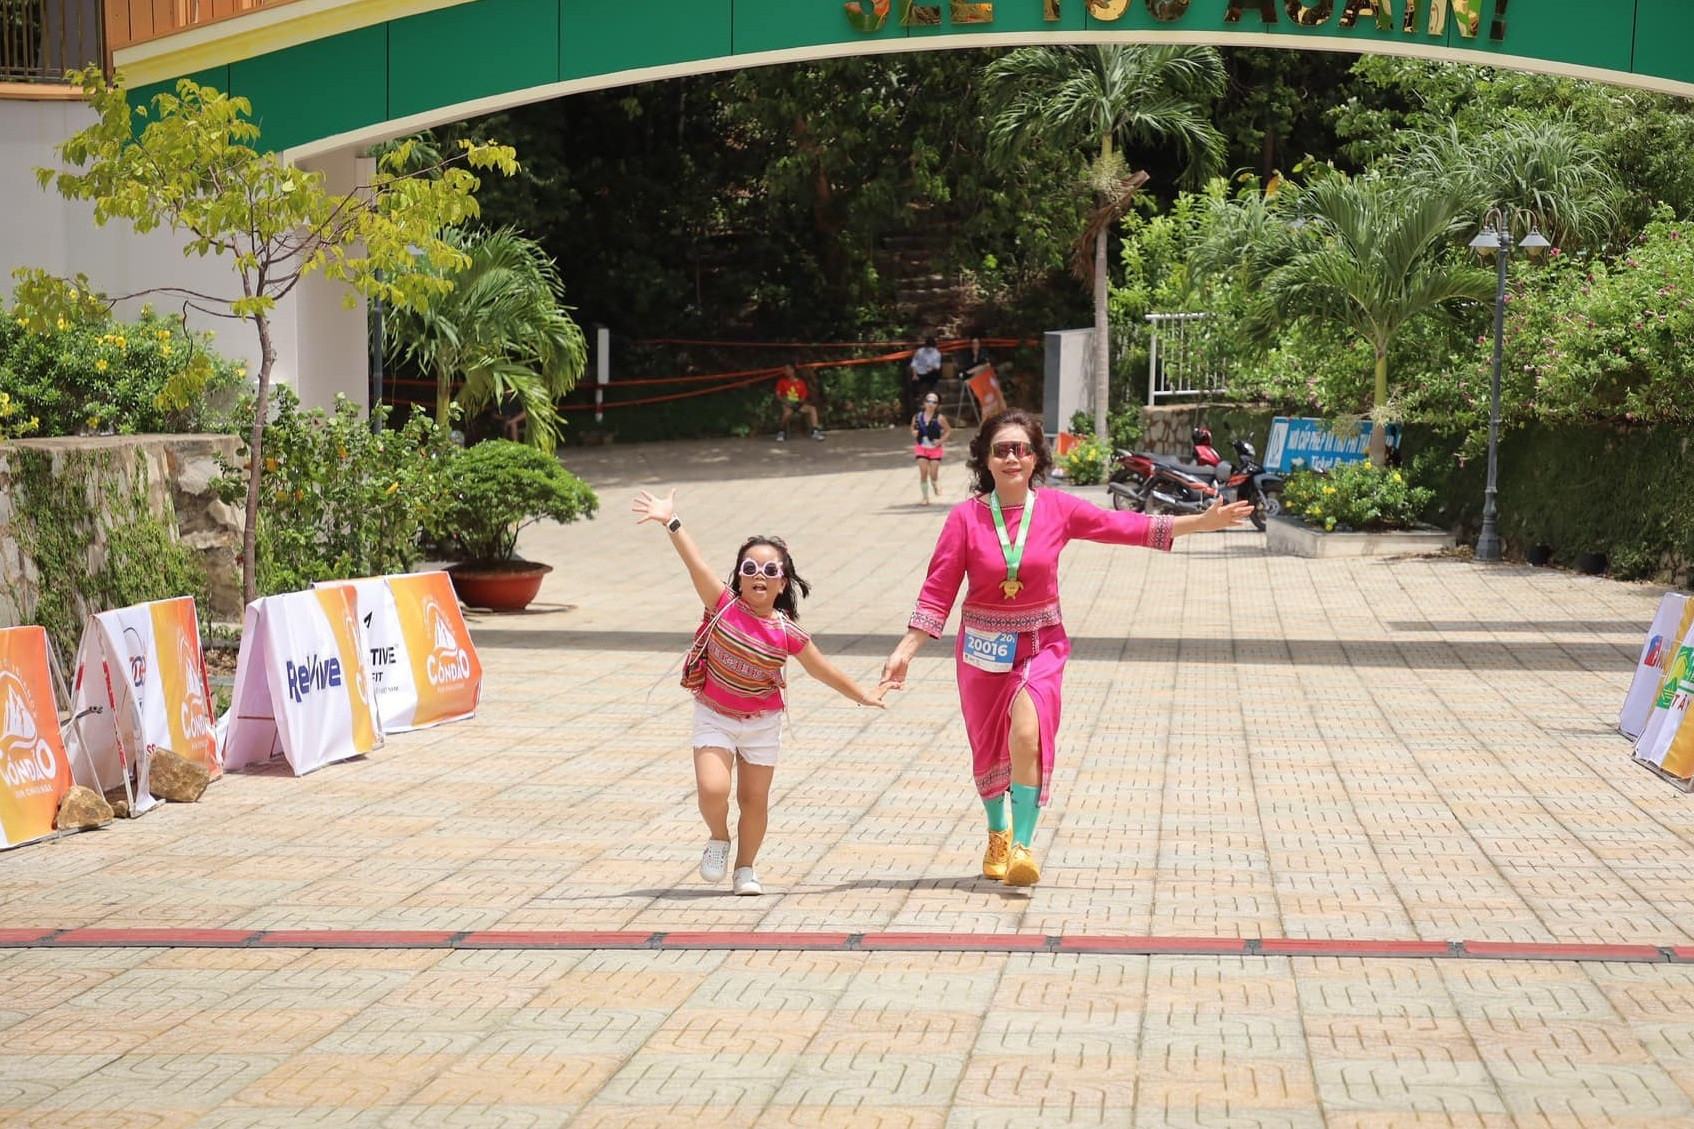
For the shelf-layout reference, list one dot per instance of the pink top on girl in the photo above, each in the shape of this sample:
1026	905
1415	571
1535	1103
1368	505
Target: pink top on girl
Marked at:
744	658
969	552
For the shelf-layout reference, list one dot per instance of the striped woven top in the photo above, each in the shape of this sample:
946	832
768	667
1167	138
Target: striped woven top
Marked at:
745	657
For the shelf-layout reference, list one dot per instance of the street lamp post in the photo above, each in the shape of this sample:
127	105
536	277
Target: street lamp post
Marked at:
1496	236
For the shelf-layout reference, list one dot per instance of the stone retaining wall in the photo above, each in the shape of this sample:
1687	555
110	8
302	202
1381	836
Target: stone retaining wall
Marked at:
178	470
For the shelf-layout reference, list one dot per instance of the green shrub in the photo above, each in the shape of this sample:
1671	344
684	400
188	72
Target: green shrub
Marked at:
1356	496
336	500
1085	463
104	375
494	489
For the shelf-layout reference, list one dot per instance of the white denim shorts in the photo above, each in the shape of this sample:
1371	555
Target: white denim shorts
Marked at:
755	739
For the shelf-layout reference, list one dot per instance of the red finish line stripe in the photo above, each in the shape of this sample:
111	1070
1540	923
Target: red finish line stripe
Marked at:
828	941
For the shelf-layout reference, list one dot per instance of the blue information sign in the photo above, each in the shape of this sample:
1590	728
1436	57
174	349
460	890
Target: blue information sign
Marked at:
1297	443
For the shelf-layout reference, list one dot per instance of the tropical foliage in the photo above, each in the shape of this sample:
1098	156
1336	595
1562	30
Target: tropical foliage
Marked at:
501	333
493	490
96	374
1355	496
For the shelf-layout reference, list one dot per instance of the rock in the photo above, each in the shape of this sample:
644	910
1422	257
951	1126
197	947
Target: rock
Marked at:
174	778
120	809
82	808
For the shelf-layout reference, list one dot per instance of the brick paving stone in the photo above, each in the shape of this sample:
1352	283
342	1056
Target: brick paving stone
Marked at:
1410	749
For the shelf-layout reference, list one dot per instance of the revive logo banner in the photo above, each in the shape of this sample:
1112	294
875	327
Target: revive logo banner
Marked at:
35	774
1670	623
301	684
423	665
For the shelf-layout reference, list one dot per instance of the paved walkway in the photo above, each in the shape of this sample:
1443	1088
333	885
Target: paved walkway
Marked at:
1262	755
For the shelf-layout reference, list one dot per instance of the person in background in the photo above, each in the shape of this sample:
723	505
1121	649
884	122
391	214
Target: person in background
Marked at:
794	396
976	360
930	430
926	371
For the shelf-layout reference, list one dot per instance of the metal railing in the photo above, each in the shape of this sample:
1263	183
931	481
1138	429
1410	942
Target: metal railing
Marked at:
42	39
1182	357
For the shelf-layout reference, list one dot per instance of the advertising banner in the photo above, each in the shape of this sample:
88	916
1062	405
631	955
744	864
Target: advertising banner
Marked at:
301	685
424	669
1672	621
1297	443
35	773
985	386
1667	743
140	685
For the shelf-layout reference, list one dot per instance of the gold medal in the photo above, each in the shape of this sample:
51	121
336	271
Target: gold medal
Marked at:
1011	588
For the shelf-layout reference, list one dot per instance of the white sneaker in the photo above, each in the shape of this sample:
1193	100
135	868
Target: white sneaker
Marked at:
782	437
747	882
714	862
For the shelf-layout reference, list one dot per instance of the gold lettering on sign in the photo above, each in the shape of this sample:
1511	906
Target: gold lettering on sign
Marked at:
964	12
1167	11
1377	8
1267	10
867	15
919	15
1309	16
1467	13
1050	10
1107	10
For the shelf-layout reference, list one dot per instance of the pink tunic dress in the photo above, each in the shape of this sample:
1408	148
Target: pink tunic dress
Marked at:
969	552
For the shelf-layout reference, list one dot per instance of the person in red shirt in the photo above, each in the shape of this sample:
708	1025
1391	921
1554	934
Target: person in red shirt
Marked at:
794	396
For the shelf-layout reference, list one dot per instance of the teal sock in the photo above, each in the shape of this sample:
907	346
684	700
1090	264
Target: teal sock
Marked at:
996	809
1026	809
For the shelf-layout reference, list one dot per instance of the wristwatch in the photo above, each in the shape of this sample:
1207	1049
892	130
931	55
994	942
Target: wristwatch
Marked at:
674	524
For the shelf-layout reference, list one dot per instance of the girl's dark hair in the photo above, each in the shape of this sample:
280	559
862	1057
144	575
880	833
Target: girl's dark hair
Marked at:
787	603
982	479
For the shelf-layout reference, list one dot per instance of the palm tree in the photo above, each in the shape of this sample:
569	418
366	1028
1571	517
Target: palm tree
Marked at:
1549	171
502	330
1368	253
1103	98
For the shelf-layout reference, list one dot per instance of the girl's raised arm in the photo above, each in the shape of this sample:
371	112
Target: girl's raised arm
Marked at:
650	507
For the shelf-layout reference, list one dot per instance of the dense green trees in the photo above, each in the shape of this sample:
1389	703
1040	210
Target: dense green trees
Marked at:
1104	98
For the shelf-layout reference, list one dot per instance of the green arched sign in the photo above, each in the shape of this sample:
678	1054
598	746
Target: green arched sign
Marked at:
343	74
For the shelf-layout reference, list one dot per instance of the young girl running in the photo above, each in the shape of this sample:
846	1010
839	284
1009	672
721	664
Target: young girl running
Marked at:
736	675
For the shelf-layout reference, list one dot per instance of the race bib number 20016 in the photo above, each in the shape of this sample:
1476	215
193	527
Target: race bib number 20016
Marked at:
992	651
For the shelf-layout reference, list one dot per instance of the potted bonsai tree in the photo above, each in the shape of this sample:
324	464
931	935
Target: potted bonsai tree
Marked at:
492	491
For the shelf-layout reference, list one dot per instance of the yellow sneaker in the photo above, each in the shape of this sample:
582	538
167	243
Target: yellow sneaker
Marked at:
1020	867
994	858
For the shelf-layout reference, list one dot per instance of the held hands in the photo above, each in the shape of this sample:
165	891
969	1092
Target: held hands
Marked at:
650	507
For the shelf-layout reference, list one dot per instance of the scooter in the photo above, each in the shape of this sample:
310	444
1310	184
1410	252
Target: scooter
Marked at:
1128	484
1252	482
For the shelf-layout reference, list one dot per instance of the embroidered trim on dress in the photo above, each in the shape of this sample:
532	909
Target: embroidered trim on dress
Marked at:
989	617
1163	533
996	780
928	622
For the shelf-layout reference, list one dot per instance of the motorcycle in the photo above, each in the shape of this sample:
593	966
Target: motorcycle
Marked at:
1155	485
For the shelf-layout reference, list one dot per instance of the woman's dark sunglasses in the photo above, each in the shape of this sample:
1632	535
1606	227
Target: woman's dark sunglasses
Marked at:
1011	447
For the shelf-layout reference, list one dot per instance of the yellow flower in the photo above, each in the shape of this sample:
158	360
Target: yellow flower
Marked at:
99	366
392	487
74	295
164	350
162	334
1329	489
121	341
1329	523
1397	477
241	374
60	323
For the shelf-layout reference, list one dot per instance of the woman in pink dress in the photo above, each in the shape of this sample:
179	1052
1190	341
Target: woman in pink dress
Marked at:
1003	544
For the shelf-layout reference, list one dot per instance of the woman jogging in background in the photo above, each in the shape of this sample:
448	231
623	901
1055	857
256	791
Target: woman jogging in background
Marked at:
930	430
735	671
1003	545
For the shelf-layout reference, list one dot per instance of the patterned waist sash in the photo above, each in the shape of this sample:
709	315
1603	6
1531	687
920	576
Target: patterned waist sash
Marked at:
1020	618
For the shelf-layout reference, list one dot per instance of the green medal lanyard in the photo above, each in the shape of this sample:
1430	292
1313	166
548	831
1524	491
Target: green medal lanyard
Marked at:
1013	551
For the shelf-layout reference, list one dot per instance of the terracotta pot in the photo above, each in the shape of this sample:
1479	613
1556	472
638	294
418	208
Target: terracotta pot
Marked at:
499	586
